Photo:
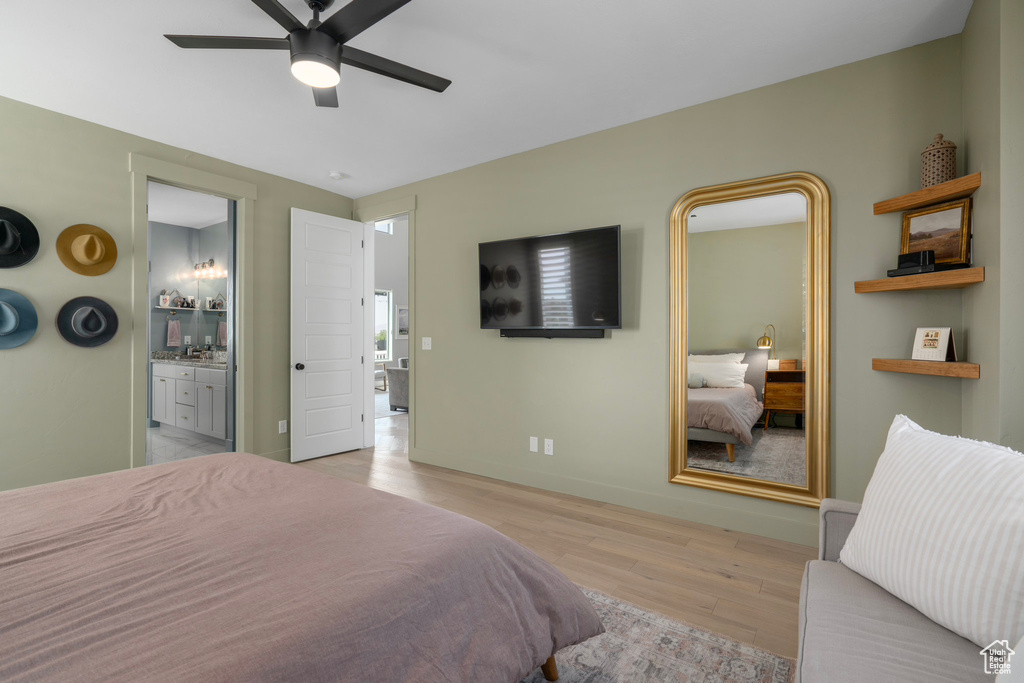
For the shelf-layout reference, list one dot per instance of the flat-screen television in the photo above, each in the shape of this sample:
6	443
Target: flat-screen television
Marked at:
563	282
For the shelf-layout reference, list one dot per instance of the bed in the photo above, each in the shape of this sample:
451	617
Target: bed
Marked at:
727	415
233	567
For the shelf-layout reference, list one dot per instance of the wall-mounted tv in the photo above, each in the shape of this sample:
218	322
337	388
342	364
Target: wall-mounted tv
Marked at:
564	285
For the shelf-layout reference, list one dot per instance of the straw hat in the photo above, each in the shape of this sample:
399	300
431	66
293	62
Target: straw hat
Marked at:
19	239
87	250
18	319
87	321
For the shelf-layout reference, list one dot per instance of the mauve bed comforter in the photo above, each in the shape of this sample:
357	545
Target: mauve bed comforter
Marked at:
235	568
733	411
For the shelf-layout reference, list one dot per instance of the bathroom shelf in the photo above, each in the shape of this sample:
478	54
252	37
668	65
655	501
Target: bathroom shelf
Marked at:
958	188
945	279
927	367
182	308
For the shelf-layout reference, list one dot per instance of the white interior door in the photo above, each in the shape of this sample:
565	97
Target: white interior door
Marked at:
328	290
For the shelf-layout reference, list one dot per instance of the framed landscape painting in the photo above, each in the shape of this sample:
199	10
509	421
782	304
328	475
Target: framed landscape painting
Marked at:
944	228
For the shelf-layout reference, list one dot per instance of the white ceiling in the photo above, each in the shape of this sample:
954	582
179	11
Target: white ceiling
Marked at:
175	206
526	73
776	209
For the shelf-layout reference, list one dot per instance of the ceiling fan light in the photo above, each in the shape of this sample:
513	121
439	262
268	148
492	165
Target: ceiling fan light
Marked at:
317	74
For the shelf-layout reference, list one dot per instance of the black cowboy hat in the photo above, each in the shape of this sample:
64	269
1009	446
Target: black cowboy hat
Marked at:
19	239
87	321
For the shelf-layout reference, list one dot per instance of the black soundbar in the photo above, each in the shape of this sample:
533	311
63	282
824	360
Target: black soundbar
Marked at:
554	334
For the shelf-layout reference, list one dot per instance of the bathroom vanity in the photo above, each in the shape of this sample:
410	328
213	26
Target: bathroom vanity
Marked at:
191	396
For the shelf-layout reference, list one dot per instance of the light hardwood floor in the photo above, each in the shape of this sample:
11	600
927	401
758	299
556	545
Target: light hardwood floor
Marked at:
736	584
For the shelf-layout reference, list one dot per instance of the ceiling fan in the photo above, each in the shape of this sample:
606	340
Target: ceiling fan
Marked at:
318	49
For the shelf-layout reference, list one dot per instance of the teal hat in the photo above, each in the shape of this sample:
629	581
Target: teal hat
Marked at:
18	319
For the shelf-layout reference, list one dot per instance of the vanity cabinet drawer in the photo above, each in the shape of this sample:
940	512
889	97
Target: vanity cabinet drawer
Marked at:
217	377
210	376
185	417
185	392
183	373
165	370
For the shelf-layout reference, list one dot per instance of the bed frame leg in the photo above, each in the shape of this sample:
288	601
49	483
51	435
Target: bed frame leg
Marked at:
732	451
549	669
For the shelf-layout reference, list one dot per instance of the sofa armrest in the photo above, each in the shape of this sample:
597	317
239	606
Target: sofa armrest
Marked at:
836	518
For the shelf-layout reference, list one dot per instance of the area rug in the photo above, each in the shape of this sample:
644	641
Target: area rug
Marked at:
778	454
643	646
382	405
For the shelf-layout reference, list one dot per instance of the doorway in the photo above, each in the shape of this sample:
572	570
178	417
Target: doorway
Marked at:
391	325
192	285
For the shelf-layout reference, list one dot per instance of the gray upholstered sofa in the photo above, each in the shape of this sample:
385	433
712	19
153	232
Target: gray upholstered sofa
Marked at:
398	385
853	631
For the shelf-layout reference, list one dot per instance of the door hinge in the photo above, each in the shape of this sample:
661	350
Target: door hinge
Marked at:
362	243
362	418
361	361
362	301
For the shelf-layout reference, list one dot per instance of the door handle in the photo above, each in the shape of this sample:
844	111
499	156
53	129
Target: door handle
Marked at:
300	366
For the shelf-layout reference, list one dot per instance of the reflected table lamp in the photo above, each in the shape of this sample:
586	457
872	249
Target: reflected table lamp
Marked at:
767	341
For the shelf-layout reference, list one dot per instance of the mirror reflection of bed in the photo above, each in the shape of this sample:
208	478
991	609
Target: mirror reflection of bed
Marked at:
747	275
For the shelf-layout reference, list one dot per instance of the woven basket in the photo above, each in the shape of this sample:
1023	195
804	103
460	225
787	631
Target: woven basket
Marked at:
938	162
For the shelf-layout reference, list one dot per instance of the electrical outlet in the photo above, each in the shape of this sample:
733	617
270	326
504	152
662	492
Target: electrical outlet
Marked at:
549	446
282	427
209	339
188	339
533	444
427	342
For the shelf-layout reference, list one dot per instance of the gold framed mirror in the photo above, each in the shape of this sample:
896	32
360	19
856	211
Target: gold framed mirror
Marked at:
749	282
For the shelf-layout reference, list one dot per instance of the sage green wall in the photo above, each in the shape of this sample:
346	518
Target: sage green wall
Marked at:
64	410
980	151
742	280
478	397
993	140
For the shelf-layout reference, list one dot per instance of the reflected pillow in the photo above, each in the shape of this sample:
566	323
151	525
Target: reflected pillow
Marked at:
718	358
721	375
696	380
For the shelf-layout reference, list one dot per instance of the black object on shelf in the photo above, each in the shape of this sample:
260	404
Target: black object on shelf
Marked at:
918	262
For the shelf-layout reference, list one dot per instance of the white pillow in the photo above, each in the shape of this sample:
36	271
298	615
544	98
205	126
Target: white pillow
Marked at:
695	380
721	375
718	358
942	528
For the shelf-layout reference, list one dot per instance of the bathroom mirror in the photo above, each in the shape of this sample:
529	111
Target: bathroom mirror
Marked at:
749	393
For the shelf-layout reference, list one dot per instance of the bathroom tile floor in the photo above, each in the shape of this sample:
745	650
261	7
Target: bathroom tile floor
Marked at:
163	446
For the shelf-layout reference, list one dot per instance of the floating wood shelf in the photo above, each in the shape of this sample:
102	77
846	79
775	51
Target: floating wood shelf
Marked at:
958	188
946	279
927	367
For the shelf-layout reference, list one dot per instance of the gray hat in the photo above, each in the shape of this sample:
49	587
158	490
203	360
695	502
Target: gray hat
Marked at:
87	321
18	319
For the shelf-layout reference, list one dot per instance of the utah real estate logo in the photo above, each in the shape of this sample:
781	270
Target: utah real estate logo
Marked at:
997	657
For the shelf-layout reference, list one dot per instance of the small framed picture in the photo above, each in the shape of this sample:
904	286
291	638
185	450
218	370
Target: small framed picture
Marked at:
943	228
401	322
934	343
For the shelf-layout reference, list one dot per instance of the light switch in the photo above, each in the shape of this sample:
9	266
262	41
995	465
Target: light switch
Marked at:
533	444
282	427
426	343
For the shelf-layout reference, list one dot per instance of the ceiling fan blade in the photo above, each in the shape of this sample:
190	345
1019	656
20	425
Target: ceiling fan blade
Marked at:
386	67
279	14
325	97
357	16
228	42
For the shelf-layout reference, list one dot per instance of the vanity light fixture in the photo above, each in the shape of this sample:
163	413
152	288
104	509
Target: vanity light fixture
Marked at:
207	269
767	341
